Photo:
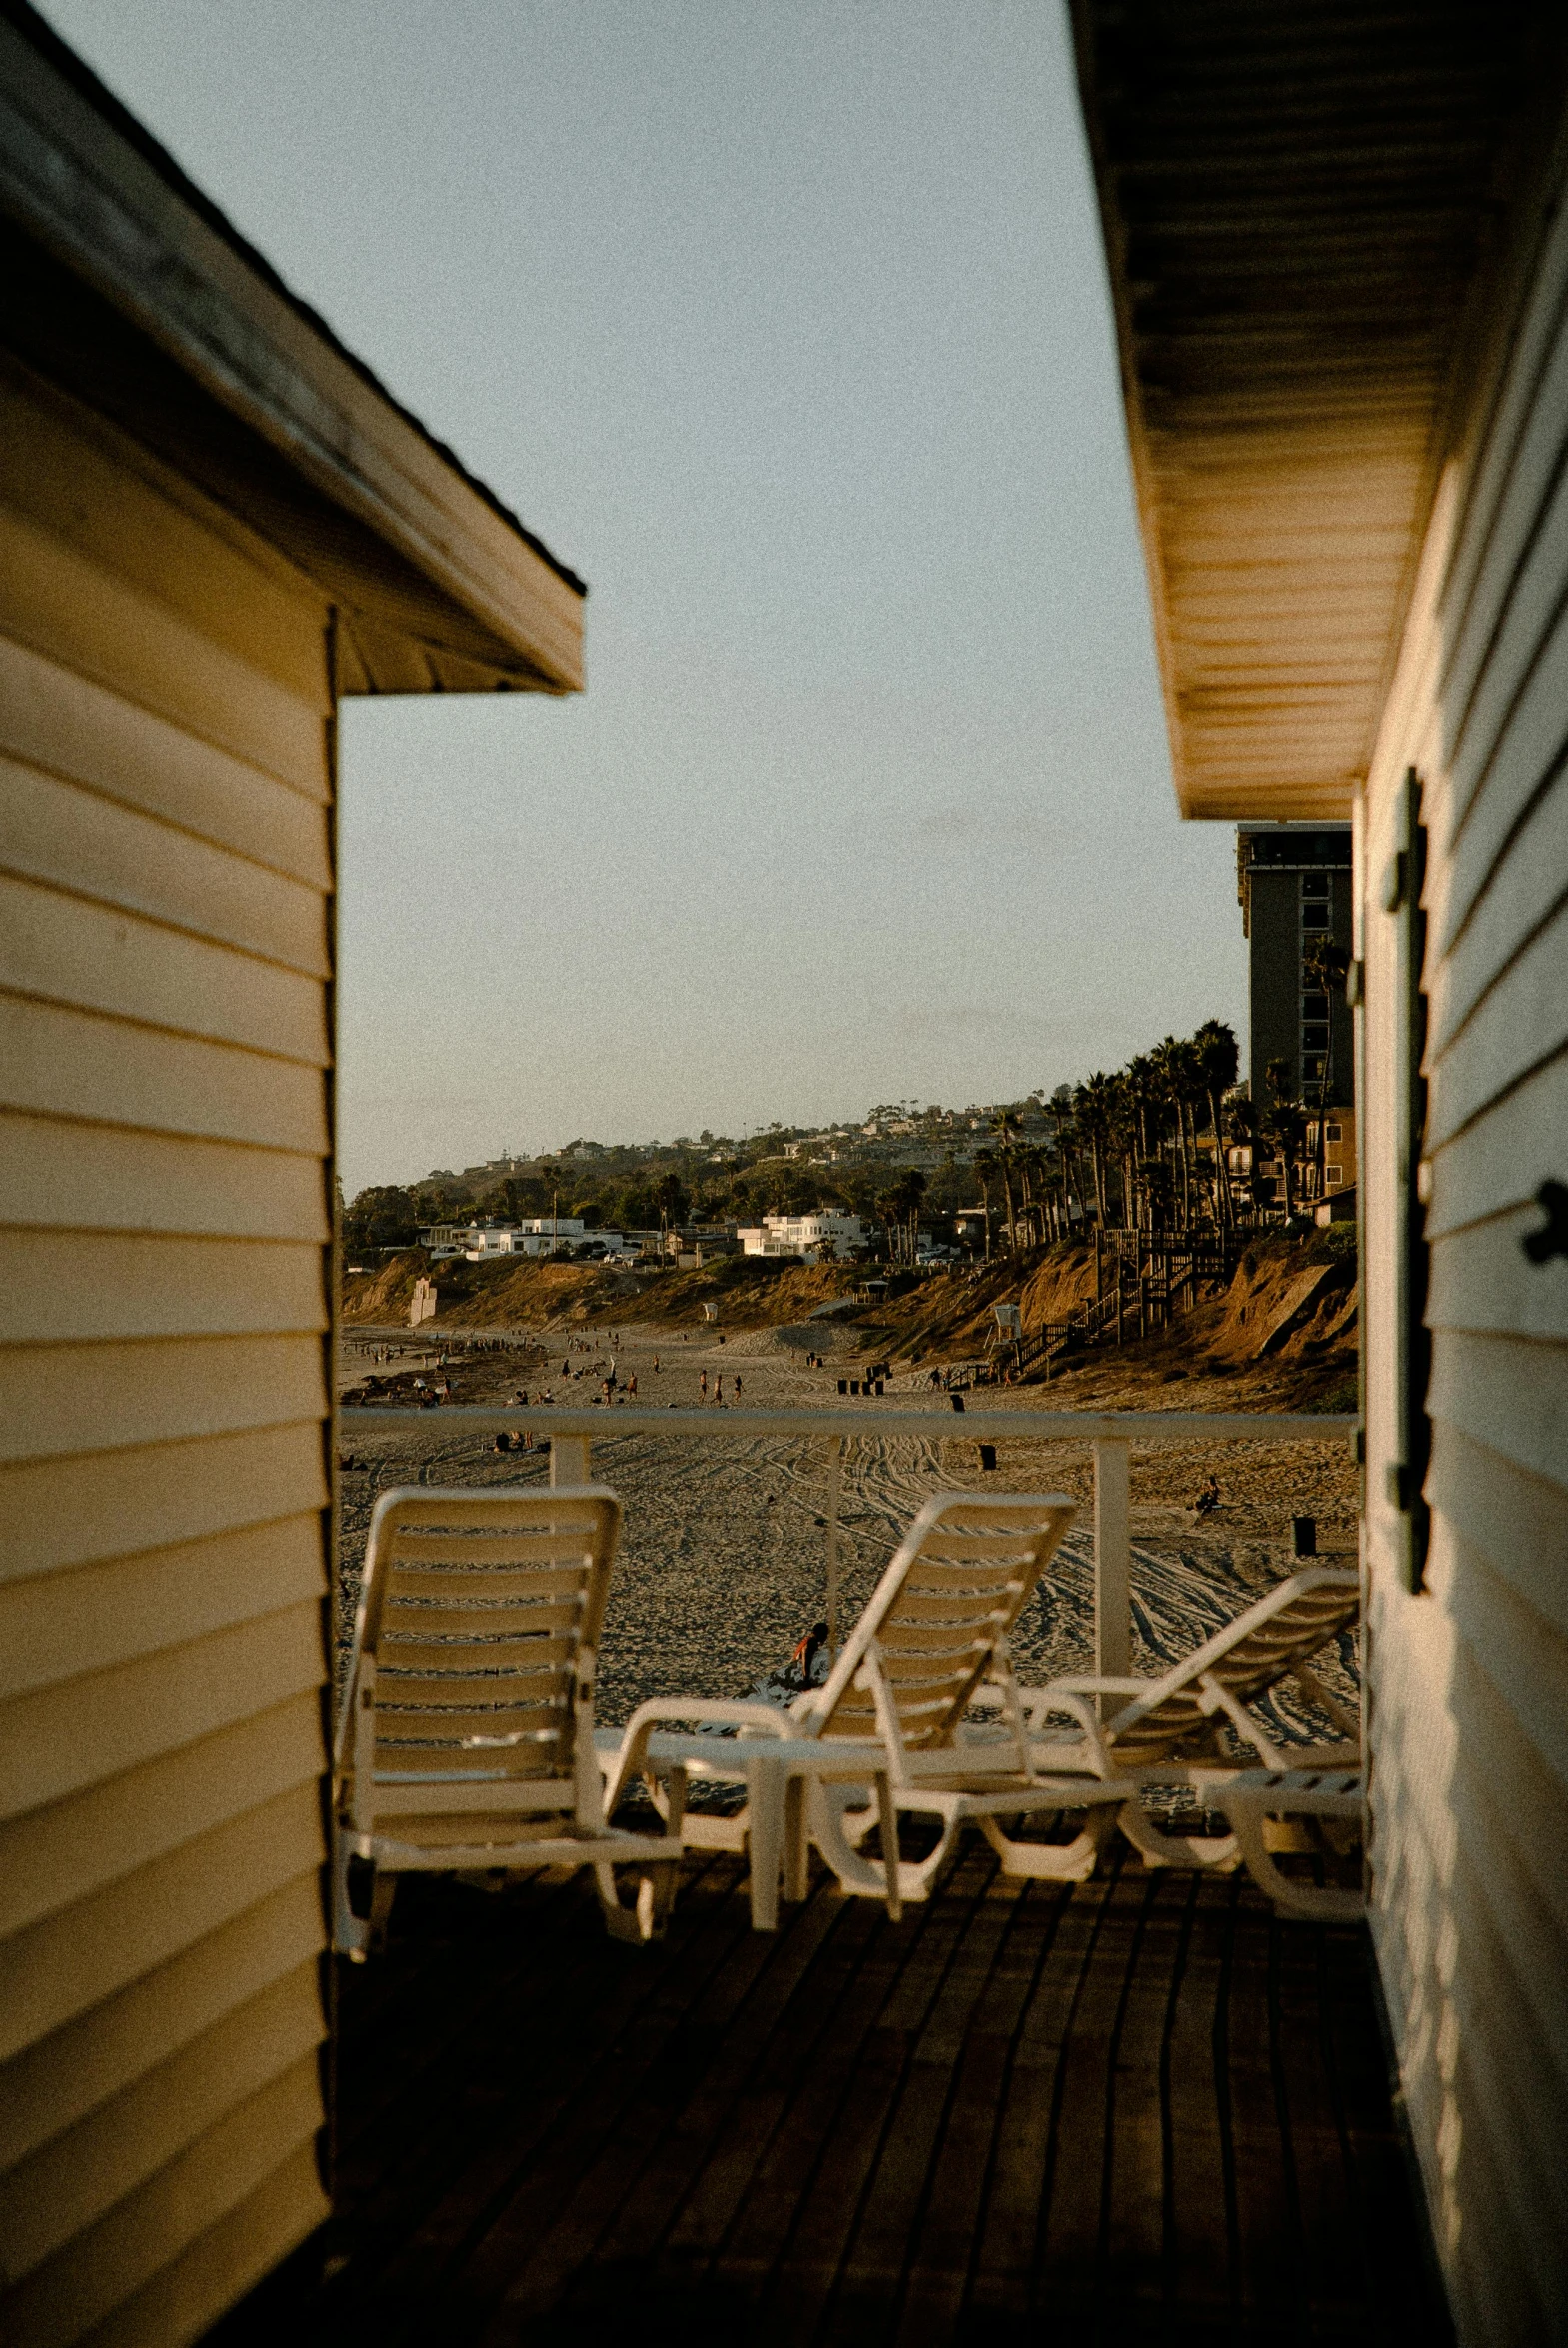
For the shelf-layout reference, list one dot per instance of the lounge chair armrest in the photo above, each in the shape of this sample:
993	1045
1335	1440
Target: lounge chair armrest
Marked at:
1062	1697
1088	1683
718	1711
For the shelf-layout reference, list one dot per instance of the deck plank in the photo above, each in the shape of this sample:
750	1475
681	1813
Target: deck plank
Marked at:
937	2285
1202	2254
1138	2109
739	2177
1014	2215
1084	2139
1267	2211
892	2222
821	2242
483	2118
1134	2241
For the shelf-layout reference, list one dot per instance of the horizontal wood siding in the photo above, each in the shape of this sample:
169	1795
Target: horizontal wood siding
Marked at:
165	962
1469	1680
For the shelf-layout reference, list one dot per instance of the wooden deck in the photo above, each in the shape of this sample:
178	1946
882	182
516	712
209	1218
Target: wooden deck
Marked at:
1138	2110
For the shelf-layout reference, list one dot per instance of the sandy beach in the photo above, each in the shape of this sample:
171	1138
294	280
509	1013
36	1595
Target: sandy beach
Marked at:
722	1561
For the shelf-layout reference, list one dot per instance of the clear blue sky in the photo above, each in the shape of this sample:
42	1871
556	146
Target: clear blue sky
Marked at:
787	327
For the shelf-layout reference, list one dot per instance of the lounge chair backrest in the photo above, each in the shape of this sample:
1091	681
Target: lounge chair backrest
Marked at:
1257	1652
951	1596
475	1646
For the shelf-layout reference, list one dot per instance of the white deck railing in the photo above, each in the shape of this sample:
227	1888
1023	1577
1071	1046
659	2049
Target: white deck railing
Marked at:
1112	1434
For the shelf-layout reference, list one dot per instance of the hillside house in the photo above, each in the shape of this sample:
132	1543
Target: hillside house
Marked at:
214	524
800	1236
1338	253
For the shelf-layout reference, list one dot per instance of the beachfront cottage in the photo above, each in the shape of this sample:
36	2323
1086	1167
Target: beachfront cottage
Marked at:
1338	248
213	523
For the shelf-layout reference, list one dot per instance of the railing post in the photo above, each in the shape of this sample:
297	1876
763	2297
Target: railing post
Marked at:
569	1459
1112	1559
834	1490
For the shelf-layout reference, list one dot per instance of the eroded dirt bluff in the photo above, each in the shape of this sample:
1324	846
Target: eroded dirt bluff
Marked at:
1284	1331
747	1293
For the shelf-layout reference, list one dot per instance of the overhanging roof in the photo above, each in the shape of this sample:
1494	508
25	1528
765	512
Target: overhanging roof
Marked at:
125	284
1296	200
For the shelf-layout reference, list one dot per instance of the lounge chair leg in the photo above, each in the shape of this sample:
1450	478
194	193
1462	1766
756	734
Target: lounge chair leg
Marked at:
350	1932
1053	1862
796	1869
1311	1904
767	1788
891	1866
382	1897
1217	1853
840	1821
647	1917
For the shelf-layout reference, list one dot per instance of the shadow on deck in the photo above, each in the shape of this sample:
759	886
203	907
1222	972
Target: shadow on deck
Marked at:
1138	2110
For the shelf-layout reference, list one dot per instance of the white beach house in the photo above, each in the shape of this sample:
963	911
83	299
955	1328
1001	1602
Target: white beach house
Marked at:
1338	249
804	1234
214	524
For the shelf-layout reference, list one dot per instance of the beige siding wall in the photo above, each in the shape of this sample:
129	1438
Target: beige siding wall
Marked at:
1470	1681
165	878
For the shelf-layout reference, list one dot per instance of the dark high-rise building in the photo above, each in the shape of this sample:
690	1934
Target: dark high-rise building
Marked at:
1293	881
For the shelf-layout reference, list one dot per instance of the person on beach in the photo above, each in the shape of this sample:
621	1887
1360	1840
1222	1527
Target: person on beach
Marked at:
738	1387
805	1654
1209	1499
632	1388
656	1365
702	1385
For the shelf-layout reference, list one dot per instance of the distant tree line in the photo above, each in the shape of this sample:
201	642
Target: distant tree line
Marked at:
1143	1146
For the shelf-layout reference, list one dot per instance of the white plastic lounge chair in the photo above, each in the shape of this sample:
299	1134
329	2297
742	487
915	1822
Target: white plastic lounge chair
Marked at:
465	1737
1262	1807
891	1720
1160	1727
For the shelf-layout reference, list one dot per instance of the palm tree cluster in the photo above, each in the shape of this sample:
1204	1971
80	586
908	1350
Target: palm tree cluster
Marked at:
897	1209
1145	1144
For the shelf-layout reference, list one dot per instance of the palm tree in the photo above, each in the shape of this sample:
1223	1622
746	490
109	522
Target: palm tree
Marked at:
1123	1135
1094	1103
1038	1165
1192	1097
986	1175
1283	1125
1026	1158
1068	1137
908	1194
669	1199
1005	1126
1220	1061
1243	1125
1325	964
1171	1075
1141	1091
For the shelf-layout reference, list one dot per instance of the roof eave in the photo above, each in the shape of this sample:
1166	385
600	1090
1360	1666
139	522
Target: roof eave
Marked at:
116	214
1285	460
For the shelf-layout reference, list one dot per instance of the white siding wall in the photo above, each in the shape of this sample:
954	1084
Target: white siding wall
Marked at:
165	878
1470	1681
